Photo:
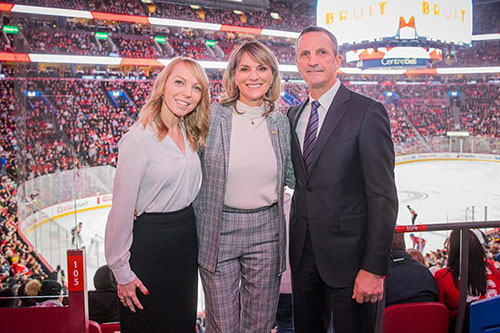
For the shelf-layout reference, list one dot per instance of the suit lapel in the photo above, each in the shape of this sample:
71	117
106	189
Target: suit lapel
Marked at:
335	113
226	125
295	139
297	114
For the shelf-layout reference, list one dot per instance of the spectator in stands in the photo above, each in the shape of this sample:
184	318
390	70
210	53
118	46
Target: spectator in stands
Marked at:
157	253
104	305
32	288
9	300
240	218
51	289
3	165
58	275
483	278
409	281
416	255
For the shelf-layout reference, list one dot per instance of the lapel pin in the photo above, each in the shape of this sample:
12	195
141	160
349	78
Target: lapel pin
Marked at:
273	133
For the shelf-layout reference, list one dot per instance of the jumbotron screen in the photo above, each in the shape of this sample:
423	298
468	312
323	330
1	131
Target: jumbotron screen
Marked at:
360	21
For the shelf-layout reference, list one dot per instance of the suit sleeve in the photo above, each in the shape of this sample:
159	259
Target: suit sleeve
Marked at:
377	162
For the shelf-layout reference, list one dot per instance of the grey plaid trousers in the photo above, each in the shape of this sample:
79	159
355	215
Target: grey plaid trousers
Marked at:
247	276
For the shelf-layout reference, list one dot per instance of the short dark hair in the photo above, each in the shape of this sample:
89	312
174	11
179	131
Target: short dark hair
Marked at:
398	242
313	28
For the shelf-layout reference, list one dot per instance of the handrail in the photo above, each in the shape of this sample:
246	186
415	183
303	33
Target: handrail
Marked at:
464	254
446	226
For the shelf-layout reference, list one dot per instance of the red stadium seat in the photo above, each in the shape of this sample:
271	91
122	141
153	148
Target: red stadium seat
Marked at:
428	317
94	327
110	327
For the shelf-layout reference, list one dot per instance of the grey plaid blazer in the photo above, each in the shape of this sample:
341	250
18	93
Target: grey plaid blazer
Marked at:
214	164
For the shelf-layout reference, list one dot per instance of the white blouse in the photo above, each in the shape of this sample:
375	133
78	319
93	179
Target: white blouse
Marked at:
151	176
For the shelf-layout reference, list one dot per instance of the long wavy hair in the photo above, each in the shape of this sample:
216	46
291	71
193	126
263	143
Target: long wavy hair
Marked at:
196	122
477	263
260	54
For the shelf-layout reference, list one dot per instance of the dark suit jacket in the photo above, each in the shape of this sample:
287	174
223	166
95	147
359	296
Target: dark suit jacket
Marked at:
348	201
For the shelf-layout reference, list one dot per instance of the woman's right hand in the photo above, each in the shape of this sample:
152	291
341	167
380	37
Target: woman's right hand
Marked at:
127	295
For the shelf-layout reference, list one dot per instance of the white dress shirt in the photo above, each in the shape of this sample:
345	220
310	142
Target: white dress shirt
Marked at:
325	101
151	176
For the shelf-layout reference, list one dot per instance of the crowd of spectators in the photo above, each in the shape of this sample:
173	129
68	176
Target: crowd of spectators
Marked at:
137	47
485	17
18	262
415	278
484	53
480	114
58	41
291	16
69	36
130	7
191	48
77	122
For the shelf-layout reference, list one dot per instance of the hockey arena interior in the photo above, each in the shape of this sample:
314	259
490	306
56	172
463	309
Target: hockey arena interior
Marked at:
75	74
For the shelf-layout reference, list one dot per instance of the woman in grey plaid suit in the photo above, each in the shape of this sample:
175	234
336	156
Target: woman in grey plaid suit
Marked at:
239	211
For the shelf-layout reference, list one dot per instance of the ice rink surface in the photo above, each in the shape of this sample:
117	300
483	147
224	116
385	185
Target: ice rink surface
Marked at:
439	191
444	191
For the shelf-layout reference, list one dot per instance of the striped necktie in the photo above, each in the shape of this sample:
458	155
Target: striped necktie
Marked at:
310	136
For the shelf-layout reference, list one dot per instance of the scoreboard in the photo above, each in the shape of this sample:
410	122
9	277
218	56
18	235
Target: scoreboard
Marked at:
362	21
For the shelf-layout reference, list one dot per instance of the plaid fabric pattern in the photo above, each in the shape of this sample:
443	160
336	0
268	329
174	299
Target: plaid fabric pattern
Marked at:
249	262
214	162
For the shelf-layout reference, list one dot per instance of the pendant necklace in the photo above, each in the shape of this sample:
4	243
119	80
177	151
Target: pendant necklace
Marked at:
252	119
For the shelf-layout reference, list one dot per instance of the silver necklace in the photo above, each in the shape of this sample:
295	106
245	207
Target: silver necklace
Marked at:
251	118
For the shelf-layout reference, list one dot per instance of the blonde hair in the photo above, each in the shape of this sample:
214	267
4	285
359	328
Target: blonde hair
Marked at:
196	122
32	288
260	54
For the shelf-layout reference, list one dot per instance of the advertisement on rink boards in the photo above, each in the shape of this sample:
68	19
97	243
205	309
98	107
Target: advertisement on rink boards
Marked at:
66	208
356	21
403	159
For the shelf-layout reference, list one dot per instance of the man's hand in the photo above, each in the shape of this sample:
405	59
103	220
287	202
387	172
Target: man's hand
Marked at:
368	287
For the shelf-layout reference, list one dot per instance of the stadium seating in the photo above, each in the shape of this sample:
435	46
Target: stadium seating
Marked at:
110	327
64	36
94	327
428	317
484	315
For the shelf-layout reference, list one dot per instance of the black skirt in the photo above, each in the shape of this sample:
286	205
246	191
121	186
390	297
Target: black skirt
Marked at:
164	256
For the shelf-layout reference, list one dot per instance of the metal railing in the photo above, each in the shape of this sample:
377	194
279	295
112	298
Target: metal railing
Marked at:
464	254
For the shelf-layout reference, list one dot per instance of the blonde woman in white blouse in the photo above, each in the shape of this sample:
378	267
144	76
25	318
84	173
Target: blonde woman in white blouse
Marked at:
154	258
239	211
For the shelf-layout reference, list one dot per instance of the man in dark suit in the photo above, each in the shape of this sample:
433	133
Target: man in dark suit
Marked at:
345	203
